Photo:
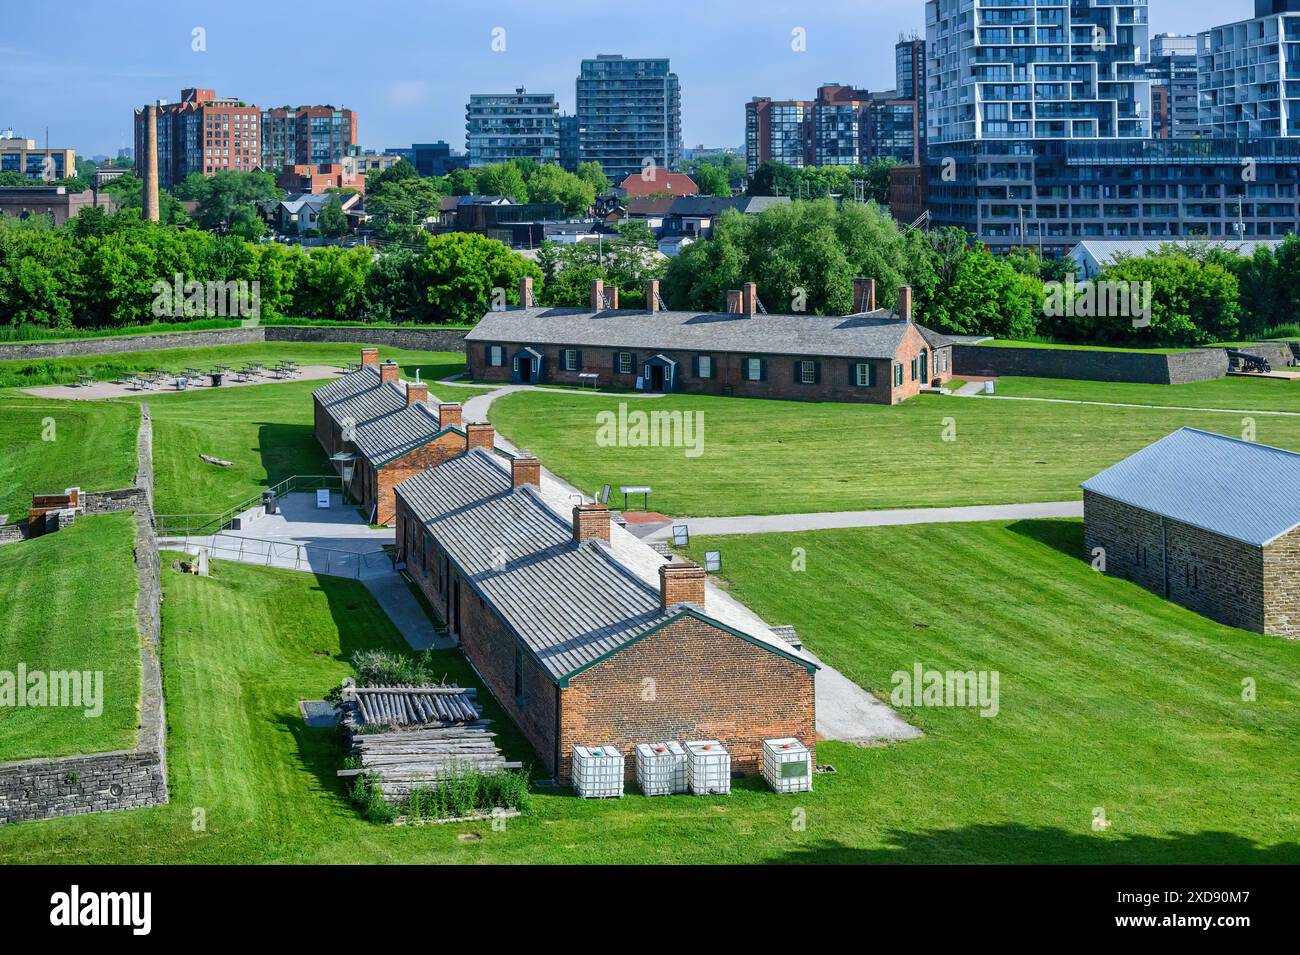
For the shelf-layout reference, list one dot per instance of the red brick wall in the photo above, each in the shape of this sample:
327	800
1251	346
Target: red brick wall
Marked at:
687	681
835	382
393	473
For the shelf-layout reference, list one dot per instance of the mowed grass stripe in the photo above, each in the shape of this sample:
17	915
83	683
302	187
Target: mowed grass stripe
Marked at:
68	602
774	457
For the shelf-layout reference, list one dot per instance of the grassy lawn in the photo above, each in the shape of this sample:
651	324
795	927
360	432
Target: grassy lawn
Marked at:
67	602
1109	698
60	371
772	457
264	430
33	333
1252	394
92	446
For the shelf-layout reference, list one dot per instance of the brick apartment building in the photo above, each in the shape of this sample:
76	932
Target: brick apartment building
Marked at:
390	429
875	355
586	635
207	134
1207	521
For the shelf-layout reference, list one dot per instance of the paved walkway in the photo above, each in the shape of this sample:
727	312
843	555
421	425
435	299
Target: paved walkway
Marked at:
1124	404
107	389
784	523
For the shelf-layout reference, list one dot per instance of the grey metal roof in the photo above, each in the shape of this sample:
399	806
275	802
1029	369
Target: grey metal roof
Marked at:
571	604
384	425
1242	490
875	334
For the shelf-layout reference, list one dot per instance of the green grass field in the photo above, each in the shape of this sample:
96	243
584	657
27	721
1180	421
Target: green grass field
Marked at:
62	371
52	445
67	602
1253	394
1109	698
772	457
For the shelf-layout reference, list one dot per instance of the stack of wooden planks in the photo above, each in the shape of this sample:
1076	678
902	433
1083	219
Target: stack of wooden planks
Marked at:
410	737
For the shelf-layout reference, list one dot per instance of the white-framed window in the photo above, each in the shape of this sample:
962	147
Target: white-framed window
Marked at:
496	356
625	363
862	374
753	369
807	373
570	359
705	365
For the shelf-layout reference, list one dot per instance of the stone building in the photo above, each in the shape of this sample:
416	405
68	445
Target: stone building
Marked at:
877	355
389	429
586	635
1207	521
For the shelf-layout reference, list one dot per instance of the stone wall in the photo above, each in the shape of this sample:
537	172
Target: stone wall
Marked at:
12	533
72	785
1201	364
1278	354
104	502
416	338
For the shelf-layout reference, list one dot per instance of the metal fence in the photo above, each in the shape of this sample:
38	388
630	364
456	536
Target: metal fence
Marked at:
205	525
289	555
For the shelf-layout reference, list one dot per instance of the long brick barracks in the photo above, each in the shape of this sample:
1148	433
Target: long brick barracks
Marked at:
875	355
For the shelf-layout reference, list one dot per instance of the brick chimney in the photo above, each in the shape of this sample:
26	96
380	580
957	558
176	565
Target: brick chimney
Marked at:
526	292
389	371
525	469
150	208
611	294
590	522
905	302
681	582
416	391
449	414
479	436
864	295
652	295
734	302
597	295
370	356
749	298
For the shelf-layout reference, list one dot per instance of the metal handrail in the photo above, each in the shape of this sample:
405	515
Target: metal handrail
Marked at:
204	525
336	560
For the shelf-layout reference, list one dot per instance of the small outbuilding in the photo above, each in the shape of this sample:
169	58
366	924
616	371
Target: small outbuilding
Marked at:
1207	521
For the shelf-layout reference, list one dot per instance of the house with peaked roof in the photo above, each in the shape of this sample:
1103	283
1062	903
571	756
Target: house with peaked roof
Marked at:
878	355
379	431
1207	521
583	633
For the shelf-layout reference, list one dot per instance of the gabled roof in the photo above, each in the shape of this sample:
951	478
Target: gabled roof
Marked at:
571	604
1242	490
384	425
674	183
875	334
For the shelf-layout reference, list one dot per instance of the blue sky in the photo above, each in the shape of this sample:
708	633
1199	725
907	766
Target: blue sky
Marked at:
408	67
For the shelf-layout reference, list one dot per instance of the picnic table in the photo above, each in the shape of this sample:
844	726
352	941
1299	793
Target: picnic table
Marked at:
351	366
85	379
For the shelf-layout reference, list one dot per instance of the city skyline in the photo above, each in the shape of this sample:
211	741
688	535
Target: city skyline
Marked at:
416	90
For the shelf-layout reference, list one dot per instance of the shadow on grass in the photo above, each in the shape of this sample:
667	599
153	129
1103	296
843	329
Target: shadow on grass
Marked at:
321	752
290	449
1060	535
1019	844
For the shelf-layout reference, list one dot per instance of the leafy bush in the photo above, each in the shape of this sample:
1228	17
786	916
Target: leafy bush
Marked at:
380	668
468	793
369	798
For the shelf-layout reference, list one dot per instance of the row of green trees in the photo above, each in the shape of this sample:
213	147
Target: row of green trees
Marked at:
101	271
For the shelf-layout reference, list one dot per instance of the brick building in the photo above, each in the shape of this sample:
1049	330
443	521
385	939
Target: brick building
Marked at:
1207	521
586	635
23	202
875	355
389	427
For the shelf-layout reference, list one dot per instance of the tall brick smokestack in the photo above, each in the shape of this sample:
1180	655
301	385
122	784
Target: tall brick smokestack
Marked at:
150	211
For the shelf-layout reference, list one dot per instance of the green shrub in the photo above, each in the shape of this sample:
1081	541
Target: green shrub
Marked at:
380	668
369	798
467	793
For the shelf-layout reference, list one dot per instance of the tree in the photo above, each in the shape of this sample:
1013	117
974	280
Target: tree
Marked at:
402	205
226	198
460	270
503	179
989	296
332	221
626	261
1192	302
332	283
553	184
127	192
591	173
711	179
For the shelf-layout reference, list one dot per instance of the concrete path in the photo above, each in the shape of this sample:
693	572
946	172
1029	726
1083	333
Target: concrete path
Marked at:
848	713
334	542
784	523
1125	404
107	389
